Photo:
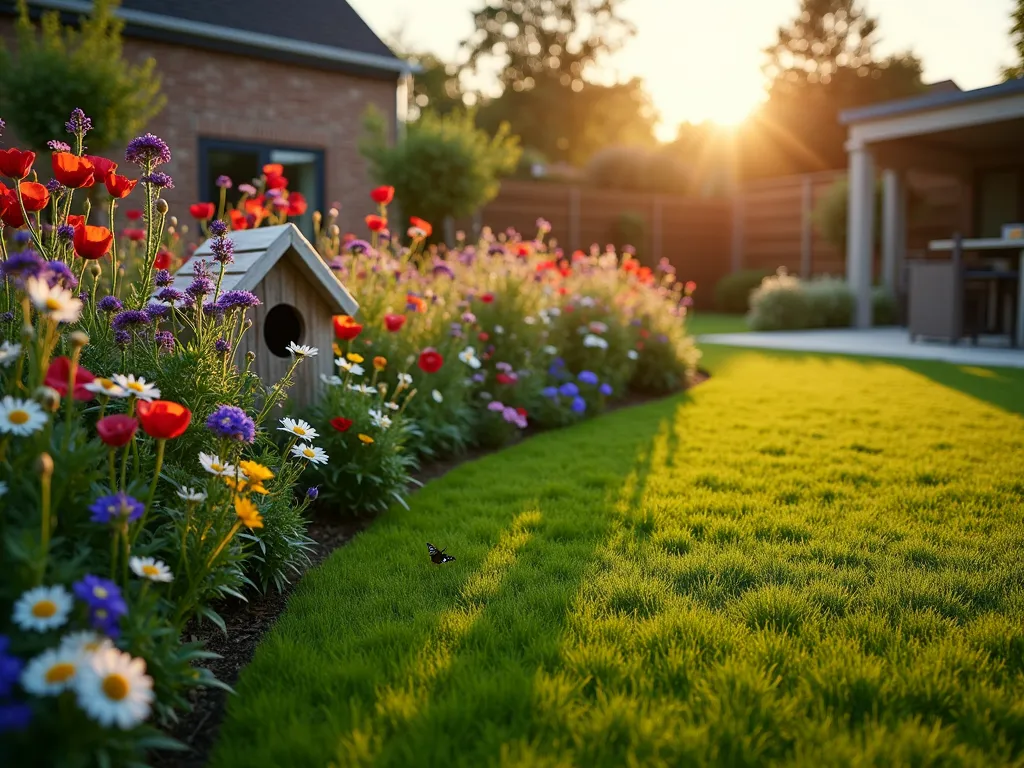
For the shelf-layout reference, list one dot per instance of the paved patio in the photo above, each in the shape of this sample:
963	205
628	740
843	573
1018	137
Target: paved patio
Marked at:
873	342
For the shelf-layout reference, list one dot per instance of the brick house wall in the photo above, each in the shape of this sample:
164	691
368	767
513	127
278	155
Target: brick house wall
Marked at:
228	96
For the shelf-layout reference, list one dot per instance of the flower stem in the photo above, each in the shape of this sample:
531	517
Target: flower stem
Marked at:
45	532
160	444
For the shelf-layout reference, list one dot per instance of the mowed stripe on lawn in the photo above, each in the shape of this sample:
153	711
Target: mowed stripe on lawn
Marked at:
805	560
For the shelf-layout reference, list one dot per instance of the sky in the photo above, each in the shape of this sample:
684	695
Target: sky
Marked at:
701	59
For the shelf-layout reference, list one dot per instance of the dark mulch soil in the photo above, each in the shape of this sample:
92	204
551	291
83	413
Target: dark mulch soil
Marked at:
247	622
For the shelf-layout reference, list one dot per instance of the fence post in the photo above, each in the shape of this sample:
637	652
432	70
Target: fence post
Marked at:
656	228
807	228
574	218
738	213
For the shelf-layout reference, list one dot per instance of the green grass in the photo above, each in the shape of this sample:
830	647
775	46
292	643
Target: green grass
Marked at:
807	560
700	322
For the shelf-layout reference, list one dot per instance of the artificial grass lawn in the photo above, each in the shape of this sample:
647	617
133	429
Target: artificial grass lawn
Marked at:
806	560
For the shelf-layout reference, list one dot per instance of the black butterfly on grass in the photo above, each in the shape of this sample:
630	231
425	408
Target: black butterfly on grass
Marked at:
437	556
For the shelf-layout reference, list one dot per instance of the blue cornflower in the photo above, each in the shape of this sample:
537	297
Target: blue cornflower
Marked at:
605	389
21	266
170	295
148	150
588	377
579	405
569	389
163	278
22	236
109	304
116	507
212	309
6	317
66	233
10	668
551	392
238	300
222	345
159	180
128	318
157	311
78	123
59	272
218	228
15	715
200	286
106	605
122	338
313	492
232	423
54	187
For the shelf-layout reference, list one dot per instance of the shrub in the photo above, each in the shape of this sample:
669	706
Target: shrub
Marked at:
444	167
831	302
883	306
58	69
732	292
784	302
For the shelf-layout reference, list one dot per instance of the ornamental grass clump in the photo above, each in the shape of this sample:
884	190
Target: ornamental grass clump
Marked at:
139	478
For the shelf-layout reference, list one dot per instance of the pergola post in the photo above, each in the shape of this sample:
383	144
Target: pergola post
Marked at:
894	226
860	231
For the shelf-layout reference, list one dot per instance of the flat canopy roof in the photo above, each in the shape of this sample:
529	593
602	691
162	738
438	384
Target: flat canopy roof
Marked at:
929	101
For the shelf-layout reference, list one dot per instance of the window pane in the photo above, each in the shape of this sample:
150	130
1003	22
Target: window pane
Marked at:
999	202
300	168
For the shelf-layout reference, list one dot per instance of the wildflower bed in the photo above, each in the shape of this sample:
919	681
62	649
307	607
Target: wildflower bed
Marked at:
805	560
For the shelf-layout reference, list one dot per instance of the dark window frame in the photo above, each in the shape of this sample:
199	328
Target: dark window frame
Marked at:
263	150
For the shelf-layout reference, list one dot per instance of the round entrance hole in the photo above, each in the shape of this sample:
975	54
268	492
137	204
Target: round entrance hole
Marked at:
282	326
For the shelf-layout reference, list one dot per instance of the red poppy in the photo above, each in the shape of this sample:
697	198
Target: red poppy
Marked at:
416	303
163	419
162	260
297	204
15	163
383	195
521	412
57	378
346	328
690	286
483	336
92	242
238	220
394	323
34	196
202	211
341	424
423	226
273	169
120	187
73	171
10	211
103	166
133	215
487	298
276	181
504	378
523	250
376	223
135	234
117	430
74	220
430	360
644	274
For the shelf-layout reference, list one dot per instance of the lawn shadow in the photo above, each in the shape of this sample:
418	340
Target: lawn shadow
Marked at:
1001	387
468	689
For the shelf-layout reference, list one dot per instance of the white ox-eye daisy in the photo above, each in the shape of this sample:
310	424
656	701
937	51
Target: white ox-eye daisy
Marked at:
191	495
594	341
468	356
42	608
632	354
364	389
331	381
138	387
310	453
347	365
58	303
379	419
302	350
51	672
20	417
114	689
9	353
299	428
404	380
438	397
84	642
391	406
213	464
150	568
101	386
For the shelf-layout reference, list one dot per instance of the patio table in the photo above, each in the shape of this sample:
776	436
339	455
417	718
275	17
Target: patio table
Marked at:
994	244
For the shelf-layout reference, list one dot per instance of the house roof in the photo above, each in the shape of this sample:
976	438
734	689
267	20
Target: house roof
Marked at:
257	251
938	99
324	32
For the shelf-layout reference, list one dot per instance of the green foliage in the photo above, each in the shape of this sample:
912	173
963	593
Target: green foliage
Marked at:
785	303
56	69
830	215
808	560
732	292
444	166
1016	70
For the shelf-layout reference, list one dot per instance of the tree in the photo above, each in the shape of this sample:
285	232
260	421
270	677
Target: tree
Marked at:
58	68
445	166
1017	35
821	64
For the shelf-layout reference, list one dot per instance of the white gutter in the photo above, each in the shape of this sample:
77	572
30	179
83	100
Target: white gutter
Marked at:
240	37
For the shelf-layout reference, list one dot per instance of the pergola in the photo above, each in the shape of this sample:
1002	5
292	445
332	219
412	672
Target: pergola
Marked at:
958	133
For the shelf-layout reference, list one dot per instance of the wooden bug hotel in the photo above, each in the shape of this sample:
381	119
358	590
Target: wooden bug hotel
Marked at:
300	295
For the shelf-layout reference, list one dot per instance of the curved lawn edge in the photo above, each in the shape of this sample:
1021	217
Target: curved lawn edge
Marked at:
813	559
248	622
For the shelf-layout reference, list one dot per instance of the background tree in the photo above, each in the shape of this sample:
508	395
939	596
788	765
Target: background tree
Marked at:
445	166
822	63
1017	35
56	68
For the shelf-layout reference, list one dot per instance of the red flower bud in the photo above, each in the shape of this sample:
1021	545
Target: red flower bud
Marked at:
376	223
341	424
383	195
394	323
117	430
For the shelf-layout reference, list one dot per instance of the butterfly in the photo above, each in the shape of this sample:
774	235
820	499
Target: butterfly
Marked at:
437	556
